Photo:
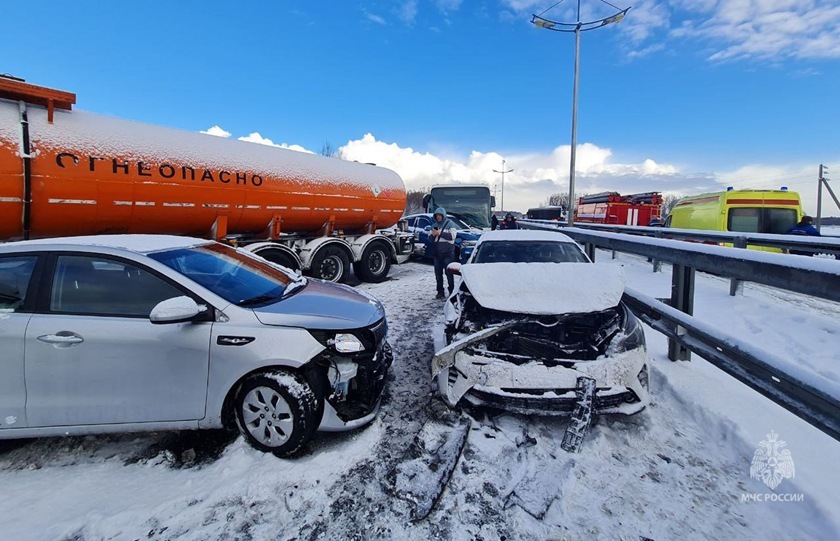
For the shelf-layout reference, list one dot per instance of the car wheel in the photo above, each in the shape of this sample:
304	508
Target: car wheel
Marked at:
275	411
375	263
331	264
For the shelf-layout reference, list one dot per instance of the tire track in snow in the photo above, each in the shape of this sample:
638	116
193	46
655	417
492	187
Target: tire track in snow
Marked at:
362	506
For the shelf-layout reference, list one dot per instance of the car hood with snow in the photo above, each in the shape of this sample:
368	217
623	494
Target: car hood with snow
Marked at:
322	305
544	288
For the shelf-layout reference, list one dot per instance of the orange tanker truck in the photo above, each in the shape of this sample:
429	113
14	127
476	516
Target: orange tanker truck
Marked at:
65	172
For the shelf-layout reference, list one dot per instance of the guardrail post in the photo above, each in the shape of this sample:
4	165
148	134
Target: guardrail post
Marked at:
682	298
736	286
590	251
657	264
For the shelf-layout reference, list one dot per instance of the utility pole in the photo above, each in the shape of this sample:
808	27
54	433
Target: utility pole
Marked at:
823	181
819	195
503	171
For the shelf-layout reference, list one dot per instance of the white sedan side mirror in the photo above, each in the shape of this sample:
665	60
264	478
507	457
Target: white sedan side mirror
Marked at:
175	310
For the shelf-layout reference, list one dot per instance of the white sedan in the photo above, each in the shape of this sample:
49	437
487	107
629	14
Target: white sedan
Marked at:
530	316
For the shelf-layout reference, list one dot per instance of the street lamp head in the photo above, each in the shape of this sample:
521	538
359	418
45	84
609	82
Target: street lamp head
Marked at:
579	26
542	23
617	18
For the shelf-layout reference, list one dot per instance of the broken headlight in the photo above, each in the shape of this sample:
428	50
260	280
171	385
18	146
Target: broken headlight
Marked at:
632	336
347	343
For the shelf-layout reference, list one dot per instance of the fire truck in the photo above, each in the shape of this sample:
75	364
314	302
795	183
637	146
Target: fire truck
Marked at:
614	208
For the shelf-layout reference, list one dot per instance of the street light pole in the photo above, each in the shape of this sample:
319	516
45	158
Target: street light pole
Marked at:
570	213
503	171
576	27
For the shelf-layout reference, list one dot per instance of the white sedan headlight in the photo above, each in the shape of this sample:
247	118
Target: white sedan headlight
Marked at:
347	343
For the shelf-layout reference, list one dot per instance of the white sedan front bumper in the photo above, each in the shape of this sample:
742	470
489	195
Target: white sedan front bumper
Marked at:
621	380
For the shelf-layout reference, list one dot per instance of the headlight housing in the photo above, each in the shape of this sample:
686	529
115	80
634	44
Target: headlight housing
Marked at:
347	343
632	335
469	243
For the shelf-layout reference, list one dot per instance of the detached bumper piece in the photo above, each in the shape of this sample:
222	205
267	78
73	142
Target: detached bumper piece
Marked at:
582	417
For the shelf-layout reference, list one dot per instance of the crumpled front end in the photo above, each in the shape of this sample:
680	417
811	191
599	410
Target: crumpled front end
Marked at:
531	365
351	382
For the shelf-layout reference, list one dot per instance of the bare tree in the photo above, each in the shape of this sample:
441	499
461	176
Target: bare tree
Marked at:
561	200
328	150
414	201
668	203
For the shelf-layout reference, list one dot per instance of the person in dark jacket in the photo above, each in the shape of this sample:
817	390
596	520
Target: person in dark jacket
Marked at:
442	238
804	227
494	223
509	222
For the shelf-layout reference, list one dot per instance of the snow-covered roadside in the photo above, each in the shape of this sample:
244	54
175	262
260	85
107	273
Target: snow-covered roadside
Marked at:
675	471
803	329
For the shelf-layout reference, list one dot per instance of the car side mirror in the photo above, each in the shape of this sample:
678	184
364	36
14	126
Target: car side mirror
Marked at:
454	268
175	310
427	228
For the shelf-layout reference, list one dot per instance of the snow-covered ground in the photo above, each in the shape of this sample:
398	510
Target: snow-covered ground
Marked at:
678	470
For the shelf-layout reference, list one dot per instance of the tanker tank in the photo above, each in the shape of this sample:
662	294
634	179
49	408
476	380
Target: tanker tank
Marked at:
93	174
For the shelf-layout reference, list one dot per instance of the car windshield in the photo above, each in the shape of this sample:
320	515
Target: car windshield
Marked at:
528	252
235	276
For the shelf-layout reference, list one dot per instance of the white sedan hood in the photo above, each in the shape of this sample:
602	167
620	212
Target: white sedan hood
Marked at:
545	288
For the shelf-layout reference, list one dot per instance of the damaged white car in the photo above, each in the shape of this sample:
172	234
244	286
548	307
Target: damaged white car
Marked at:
530	316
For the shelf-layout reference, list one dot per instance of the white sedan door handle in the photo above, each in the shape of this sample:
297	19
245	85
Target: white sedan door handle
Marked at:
62	339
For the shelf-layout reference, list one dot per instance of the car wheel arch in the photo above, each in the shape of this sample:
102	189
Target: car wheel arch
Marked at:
317	380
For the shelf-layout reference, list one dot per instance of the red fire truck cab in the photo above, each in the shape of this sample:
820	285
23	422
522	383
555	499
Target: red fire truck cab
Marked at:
614	208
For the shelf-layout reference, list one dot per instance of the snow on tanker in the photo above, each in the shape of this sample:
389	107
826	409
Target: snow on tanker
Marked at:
65	172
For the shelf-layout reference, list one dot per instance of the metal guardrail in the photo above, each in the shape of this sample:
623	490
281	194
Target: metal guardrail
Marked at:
810	276
825	244
816	401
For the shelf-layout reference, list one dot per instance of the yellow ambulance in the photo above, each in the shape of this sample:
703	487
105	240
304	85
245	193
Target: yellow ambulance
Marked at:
748	211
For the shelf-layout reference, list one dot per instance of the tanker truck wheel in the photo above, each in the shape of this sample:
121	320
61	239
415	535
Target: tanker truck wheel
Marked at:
280	257
331	264
375	263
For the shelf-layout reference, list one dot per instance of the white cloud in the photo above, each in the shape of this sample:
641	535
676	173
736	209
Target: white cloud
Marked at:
407	11
645	19
375	18
217	131
535	176
526	5
448	6
765	30
255	137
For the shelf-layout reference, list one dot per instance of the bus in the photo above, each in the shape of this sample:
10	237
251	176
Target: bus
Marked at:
472	203
556	213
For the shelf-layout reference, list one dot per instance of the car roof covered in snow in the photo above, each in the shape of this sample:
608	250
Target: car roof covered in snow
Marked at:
524	235
141	244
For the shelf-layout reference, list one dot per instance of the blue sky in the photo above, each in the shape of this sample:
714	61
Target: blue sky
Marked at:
682	96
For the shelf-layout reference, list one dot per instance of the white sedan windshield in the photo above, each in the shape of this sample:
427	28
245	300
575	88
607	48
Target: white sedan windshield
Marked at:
528	252
235	276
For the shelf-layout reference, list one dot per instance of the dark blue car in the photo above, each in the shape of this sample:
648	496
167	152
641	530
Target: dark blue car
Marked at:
464	241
